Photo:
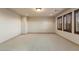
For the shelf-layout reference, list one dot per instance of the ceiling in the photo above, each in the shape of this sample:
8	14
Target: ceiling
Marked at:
33	12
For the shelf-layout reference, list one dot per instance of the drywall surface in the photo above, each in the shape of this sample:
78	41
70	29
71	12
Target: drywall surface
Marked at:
41	25
70	36
10	24
24	25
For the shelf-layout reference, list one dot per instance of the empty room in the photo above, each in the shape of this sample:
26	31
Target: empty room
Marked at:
39	29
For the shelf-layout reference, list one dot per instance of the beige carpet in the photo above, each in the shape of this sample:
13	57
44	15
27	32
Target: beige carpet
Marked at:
38	42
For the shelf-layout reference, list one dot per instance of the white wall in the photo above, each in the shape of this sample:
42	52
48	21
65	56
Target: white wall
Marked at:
24	27
41	25
10	25
70	36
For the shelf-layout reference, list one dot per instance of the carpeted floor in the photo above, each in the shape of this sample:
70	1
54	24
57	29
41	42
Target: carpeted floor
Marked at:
38	42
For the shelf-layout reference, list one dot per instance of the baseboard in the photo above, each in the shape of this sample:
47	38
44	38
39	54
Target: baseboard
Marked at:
10	39
41	33
68	39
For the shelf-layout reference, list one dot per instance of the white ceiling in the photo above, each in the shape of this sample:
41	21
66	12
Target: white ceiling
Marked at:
33	12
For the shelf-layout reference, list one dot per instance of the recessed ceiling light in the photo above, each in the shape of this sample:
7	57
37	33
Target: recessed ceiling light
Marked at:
38	9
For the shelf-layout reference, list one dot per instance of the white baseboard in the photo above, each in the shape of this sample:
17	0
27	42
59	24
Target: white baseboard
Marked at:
10	38
41	33
67	39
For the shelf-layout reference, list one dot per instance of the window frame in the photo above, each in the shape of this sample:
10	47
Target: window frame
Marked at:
59	19
70	27
76	11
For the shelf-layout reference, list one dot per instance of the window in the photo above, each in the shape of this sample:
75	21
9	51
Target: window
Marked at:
64	23
76	21
59	23
67	22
